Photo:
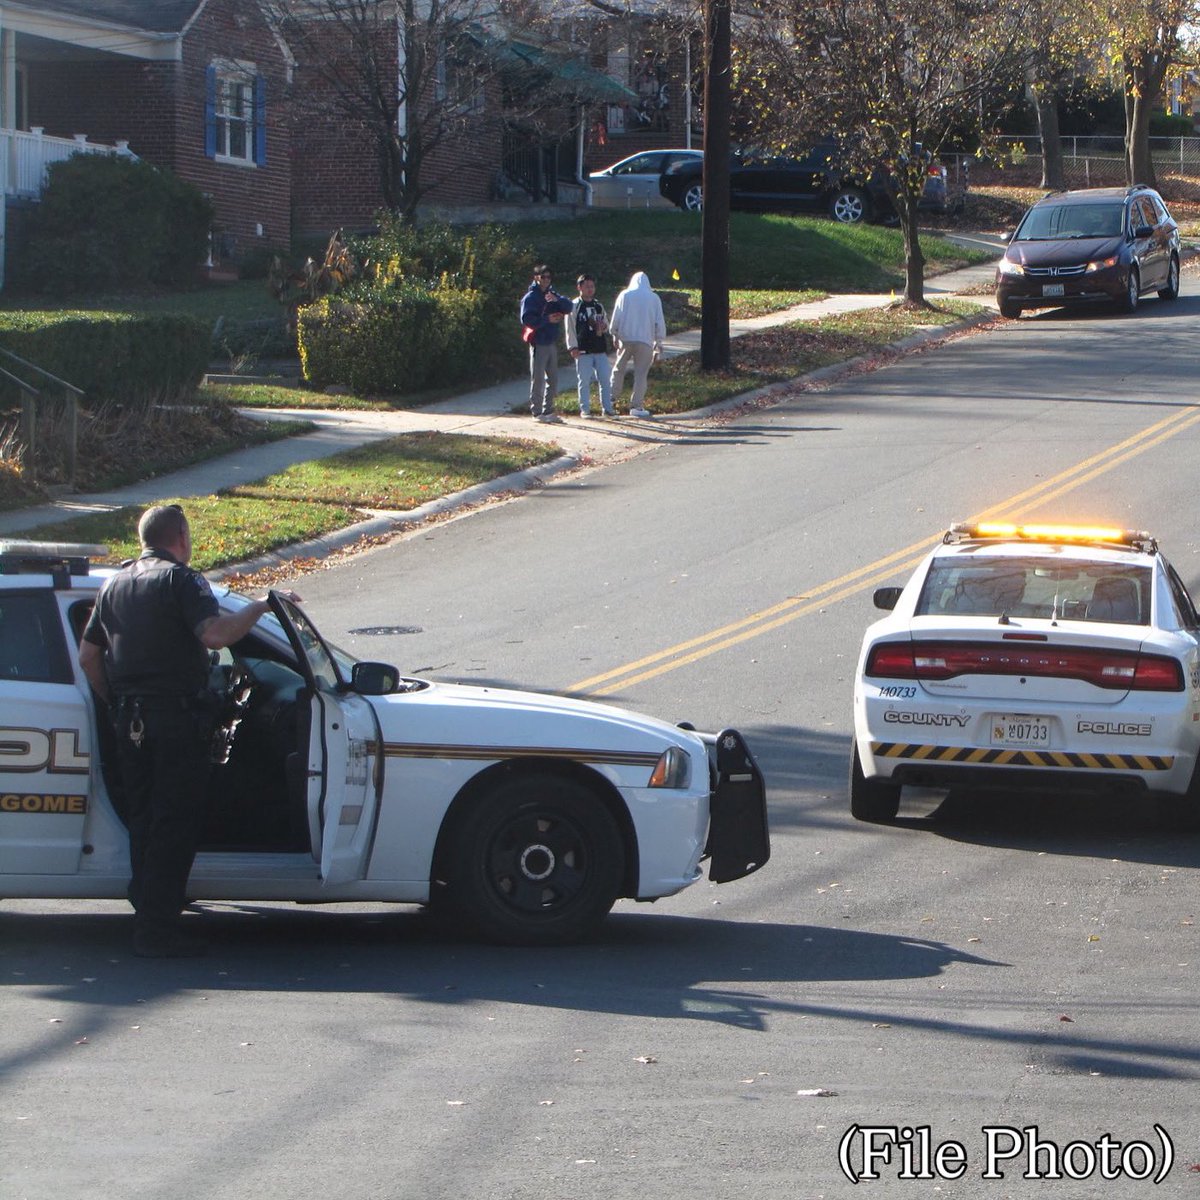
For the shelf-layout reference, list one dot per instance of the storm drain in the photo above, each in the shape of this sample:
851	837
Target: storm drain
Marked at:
385	630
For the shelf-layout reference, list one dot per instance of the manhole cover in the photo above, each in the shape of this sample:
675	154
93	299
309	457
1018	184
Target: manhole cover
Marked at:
385	630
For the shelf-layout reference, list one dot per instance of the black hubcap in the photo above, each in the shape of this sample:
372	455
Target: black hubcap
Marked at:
538	862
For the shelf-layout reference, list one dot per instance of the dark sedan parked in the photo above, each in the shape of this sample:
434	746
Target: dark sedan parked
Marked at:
811	181
1096	245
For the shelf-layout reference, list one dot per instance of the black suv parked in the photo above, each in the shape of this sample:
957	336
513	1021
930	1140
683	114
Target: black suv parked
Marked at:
813	180
1098	244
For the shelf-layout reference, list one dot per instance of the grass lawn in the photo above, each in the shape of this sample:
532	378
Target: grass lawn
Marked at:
678	385
314	498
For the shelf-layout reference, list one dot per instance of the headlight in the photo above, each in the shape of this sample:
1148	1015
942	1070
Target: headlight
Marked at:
673	769
1006	266
1101	264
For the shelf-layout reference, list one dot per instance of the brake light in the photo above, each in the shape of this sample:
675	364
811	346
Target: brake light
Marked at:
891	660
1123	670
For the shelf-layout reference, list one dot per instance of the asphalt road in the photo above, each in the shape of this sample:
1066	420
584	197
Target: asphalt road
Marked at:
976	970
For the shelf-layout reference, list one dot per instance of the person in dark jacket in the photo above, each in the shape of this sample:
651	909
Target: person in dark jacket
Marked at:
542	311
145	651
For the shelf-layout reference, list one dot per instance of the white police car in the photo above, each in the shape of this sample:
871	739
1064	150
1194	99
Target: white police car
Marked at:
1034	656
527	815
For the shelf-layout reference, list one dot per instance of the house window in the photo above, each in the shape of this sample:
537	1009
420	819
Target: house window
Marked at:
235	114
457	83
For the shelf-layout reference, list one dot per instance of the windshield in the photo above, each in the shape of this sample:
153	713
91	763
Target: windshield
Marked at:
1062	589
1053	221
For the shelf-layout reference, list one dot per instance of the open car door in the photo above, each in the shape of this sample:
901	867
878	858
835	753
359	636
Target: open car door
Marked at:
342	769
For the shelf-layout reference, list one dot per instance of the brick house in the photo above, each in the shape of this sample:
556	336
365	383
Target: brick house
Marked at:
210	89
199	86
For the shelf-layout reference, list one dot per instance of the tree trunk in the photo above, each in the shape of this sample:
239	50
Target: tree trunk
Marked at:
714	262
1139	167
1045	100
914	257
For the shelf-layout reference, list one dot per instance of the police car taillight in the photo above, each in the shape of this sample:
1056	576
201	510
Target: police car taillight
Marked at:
1114	670
891	660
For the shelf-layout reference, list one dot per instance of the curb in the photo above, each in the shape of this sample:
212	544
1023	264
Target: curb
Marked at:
385	523
523	481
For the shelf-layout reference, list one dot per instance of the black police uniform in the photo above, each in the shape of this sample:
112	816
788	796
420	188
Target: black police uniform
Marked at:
146	617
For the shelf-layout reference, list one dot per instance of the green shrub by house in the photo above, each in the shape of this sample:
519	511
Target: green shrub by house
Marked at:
123	358
481	260
404	341
106	222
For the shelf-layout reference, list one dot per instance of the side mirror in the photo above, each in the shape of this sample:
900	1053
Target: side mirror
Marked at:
886	597
1143	231
1007	236
374	678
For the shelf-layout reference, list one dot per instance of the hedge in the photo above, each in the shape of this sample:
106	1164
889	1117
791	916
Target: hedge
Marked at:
410	340
127	358
106	222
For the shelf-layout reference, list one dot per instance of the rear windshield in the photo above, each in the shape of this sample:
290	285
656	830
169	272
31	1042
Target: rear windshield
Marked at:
1060	589
1071	221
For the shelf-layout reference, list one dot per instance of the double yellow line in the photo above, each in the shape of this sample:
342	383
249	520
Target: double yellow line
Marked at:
882	569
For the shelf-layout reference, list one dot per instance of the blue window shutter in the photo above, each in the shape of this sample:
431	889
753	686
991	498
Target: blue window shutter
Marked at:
210	112
260	121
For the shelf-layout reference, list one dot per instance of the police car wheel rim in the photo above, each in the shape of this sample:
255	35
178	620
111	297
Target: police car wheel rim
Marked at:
538	861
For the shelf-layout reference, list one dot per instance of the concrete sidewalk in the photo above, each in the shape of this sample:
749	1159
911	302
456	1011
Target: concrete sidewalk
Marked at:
487	411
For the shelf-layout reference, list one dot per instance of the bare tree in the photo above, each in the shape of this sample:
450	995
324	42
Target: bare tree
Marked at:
892	79
403	77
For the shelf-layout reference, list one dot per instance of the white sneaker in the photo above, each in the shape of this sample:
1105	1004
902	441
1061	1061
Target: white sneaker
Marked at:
585	416
640	412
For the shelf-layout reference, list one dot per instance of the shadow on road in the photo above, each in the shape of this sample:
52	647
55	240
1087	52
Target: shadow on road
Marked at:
1045	823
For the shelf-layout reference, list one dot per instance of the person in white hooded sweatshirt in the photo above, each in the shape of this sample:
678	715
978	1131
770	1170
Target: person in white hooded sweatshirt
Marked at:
638	328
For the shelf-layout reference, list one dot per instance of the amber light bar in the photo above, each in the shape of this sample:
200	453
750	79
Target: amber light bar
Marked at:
1084	534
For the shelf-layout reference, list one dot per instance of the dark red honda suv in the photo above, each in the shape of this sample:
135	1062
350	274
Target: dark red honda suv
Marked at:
1099	244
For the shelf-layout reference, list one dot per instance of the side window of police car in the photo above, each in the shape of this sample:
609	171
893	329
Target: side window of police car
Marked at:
1184	608
32	646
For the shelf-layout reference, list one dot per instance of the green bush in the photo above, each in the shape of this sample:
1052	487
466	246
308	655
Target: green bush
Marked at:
127	358
405	341
1169	125
480	259
110	222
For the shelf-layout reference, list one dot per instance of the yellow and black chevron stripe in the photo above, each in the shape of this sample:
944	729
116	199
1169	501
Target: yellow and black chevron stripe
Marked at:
983	756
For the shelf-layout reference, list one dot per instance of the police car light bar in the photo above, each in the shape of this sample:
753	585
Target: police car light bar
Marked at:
60	559
1092	535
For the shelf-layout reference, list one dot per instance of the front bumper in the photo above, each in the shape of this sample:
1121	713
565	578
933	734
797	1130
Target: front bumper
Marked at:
739	842
1107	286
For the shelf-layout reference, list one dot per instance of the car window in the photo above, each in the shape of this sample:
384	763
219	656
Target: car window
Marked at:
1047	222
1142	213
1062	589
642	164
1160	208
33	648
1185	610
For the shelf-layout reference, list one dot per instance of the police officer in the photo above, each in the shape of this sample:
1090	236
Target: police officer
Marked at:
145	651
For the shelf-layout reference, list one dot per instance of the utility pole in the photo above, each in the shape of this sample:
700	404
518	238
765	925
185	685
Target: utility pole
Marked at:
714	262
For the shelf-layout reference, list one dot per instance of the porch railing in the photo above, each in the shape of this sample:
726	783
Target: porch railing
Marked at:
25	155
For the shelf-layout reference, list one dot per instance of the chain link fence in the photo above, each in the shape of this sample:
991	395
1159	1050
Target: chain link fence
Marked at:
1087	161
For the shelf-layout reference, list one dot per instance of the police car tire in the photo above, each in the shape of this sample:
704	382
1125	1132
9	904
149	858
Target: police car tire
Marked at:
875	800
1181	814
537	861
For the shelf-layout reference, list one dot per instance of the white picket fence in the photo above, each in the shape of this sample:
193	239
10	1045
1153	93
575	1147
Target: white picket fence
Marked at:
24	157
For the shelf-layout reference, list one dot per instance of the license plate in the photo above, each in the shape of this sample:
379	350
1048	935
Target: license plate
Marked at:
1052	289
1017	729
